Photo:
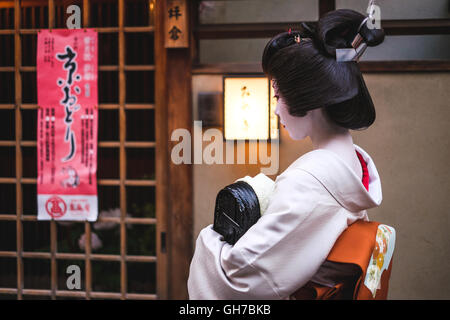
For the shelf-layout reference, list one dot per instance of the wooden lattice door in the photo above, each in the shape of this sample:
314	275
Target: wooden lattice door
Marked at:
123	254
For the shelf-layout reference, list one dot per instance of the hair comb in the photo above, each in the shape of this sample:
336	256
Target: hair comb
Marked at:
359	46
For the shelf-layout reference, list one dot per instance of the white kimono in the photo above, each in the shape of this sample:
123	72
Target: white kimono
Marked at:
316	198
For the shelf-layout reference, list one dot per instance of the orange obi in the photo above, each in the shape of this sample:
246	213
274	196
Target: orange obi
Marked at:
358	266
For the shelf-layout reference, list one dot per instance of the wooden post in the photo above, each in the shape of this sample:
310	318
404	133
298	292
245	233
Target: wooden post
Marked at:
162	158
122	154
18	116
325	6
173	93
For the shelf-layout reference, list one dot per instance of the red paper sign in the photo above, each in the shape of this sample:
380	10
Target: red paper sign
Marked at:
67	124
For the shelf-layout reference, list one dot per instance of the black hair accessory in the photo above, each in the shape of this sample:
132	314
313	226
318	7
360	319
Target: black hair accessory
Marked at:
365	37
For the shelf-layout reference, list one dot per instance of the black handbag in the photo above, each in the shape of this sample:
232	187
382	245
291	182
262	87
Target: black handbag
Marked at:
237	209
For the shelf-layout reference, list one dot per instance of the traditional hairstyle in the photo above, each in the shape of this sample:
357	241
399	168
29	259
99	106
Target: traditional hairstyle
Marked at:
308	76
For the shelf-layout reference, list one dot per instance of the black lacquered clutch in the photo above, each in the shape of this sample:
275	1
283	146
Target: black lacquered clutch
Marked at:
237	209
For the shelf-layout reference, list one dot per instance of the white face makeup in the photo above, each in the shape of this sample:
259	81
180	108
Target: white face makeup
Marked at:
298	127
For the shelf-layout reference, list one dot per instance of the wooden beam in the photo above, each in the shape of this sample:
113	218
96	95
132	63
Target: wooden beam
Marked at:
365	66
194	23
268	30
122	151
227	68
87	225
325	6
38	3
18	122
242	30
416	27
405	66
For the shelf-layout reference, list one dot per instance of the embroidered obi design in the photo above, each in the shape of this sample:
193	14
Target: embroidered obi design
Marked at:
381	257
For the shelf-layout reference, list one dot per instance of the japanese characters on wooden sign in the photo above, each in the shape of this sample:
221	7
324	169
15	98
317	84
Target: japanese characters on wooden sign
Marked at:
176	24
67	124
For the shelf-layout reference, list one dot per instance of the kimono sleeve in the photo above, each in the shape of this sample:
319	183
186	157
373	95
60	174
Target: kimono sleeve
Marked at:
278	254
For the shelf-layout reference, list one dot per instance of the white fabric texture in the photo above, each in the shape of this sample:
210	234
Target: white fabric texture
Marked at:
316	198
263	187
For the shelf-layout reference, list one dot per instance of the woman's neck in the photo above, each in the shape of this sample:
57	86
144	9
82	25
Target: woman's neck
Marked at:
327	135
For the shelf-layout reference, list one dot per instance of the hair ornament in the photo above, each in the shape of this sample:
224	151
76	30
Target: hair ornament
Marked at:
359	45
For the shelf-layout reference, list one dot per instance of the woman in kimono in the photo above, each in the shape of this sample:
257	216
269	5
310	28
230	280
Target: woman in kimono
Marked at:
321	193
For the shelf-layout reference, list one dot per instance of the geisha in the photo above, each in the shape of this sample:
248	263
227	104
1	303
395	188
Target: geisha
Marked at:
322	192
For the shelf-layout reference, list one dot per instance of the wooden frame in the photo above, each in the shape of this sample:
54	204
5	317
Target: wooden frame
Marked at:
365	66
270	29
160	182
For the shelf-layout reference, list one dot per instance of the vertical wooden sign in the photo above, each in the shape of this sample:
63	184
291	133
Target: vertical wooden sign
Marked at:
176	24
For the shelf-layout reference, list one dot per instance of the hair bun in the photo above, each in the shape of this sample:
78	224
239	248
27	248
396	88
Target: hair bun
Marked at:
337	29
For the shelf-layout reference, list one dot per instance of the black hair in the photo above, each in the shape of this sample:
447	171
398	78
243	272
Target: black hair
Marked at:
308	76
